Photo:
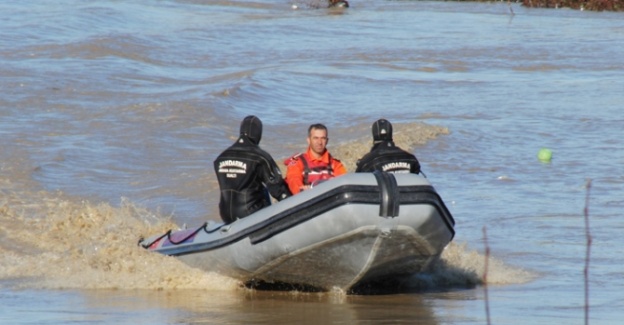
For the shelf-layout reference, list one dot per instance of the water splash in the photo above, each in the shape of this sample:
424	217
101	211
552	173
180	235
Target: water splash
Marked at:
52	242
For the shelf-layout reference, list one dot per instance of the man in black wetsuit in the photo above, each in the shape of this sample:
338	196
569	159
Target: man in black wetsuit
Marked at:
385	155
245	173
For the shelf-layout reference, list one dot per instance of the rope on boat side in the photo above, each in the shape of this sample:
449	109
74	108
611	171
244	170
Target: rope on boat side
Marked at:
168	235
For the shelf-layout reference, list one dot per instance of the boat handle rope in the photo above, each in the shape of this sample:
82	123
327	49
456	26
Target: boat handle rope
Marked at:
168	235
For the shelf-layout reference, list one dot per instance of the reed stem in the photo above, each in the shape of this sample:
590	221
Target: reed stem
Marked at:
588	250
485	274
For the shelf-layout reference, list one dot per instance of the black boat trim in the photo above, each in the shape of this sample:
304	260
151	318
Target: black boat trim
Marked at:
389	200
386	194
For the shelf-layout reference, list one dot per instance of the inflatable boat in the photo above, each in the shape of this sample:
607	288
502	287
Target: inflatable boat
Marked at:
346	233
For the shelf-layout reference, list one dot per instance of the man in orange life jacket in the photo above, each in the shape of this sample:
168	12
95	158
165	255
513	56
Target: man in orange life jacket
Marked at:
245	173
316	164
385	155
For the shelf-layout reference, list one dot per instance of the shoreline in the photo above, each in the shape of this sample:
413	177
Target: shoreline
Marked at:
590	5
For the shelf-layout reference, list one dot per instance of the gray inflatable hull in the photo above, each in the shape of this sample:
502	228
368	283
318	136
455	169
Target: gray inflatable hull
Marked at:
349	231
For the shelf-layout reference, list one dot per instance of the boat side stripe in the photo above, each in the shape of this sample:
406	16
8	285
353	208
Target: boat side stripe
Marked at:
343	195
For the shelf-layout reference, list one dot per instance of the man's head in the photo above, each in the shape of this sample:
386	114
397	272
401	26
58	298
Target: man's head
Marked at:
382	130
251	127
317	138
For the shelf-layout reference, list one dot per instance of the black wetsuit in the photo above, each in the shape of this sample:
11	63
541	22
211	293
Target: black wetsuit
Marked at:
386	156
245	172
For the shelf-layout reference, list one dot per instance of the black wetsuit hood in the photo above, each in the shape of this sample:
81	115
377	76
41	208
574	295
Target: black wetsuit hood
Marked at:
251	128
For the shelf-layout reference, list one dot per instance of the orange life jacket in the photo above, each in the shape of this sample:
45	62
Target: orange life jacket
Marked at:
313	170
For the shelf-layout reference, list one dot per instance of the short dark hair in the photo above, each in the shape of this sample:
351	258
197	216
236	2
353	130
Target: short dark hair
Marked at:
317	126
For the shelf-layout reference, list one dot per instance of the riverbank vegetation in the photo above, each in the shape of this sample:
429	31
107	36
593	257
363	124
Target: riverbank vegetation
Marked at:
594	5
